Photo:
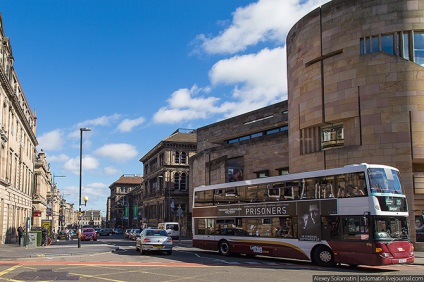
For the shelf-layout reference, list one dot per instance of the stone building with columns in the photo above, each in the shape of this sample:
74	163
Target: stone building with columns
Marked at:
17	146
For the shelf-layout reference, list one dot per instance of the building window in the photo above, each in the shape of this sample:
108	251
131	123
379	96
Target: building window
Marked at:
177	181
406	44
257	134
419	48
262	174
283	171
183	182
387	44
183	157
177	157
162	159
332	136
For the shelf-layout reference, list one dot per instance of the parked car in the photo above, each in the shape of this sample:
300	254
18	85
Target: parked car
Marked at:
127	233
154	240
88	234
134	233
73	234
104	232
61	235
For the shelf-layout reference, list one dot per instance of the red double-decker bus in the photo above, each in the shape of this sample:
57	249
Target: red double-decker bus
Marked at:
354	215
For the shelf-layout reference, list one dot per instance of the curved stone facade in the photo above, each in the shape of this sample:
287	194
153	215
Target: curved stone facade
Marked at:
352	66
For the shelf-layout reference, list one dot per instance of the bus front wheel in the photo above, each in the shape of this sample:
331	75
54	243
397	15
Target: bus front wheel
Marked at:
323	256
224	248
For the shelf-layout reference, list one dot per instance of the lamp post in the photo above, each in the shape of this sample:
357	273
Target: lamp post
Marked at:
80	185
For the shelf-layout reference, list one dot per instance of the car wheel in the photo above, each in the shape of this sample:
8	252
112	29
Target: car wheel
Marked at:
323	256
224	248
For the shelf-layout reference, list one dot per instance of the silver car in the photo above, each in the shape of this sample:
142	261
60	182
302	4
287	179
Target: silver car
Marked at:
156	240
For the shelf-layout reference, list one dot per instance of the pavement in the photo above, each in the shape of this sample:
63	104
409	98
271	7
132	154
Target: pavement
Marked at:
10	252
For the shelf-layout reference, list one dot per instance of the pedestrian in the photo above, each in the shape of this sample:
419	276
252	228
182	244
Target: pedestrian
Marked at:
20	234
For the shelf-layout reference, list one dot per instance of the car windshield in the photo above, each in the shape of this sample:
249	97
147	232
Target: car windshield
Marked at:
88	230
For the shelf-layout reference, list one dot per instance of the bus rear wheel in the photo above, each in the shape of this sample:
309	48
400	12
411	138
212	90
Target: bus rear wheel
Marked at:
323	256
224	248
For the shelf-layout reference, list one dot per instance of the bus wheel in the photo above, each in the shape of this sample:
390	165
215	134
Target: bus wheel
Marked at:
323	256
224	248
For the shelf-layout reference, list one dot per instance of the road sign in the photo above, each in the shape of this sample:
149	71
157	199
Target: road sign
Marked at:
179	211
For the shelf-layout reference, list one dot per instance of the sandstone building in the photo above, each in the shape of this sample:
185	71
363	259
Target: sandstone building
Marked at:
356	89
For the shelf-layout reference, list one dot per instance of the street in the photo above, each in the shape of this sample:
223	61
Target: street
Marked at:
185	264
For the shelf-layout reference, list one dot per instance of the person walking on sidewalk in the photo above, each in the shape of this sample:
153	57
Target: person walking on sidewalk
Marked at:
20	234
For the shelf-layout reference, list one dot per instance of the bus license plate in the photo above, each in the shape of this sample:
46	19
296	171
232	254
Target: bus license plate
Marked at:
402	260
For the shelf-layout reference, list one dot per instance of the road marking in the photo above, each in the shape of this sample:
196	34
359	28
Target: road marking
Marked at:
10	269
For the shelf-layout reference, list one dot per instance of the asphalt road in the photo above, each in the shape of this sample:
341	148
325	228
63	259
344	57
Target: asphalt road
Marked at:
115	259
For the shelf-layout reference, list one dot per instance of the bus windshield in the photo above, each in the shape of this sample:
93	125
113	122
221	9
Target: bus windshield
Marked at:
391	228
384	180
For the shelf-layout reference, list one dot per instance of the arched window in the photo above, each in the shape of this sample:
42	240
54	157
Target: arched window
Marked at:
177	181
183	157
177	157
183	182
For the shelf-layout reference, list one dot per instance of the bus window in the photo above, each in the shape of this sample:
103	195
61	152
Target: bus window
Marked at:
309	190
383	180
262	192
252	193
355	228
389	228
330	227
274	190
292	190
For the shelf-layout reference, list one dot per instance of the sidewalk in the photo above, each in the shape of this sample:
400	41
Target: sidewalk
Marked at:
59	248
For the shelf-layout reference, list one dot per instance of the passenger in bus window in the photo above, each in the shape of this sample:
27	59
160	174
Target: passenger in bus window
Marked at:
341	193
357	192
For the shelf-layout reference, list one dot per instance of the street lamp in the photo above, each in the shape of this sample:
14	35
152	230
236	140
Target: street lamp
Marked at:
80	182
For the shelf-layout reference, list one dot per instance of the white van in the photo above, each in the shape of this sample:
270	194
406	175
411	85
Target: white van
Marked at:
173	229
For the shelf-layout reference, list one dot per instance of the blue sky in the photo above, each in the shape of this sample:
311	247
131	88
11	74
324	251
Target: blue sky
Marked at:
134	71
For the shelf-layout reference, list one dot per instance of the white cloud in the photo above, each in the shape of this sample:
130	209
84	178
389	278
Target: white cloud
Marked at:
128	124
110	170
259	79
256	79
117	152
51	141
185	104
88	163
58	158
101	121
265	20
